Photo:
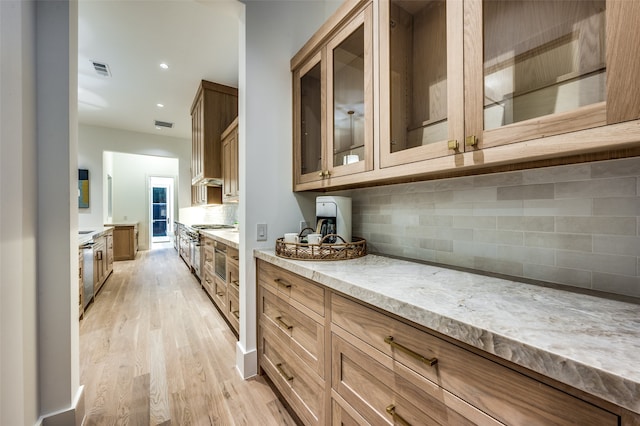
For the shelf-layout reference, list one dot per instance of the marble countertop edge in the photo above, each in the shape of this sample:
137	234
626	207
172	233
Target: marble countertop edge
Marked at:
575	368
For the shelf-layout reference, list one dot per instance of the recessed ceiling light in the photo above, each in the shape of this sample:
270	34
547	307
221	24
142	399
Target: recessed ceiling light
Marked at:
164	66
160	105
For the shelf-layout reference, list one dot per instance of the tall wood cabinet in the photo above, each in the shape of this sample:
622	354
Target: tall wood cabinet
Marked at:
468	85
125	241
215	106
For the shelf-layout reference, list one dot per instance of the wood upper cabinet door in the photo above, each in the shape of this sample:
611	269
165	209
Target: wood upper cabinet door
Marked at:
230	181
541	68
333	104
421	80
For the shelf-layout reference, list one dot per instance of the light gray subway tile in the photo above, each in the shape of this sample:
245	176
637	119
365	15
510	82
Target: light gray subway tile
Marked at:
436	245
498	179
439	197
420	254
454	209
498	208
578	242
405	219
453	183
380	200
566	276
475	222
435	220
527	223
441	233
566	207
613	168
376	219
615	264
531	255
555	174
622	245
543	191
616	206
385	249
470	248
500	266
596	225
455	259
597	188
476	194
618	284
512	238
424	186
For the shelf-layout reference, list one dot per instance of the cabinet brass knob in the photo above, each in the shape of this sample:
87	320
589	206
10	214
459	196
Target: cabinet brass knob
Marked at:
452	144
321	174
471	141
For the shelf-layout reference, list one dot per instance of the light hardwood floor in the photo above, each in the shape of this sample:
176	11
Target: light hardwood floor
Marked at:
155	351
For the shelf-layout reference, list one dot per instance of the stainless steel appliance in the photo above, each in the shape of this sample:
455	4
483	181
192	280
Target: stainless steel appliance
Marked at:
87	271
220	260
196	246
333	216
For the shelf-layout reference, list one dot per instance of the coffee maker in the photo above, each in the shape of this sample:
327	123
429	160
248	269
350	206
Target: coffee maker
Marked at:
333	216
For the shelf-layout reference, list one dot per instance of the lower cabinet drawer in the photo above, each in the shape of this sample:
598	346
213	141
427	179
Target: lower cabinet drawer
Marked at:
384	396
233	311
343	416
219	293
208	282
505	394
302	388
303	335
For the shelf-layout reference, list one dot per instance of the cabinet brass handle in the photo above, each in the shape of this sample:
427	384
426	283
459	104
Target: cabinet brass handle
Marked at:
429	361
284	324
236	283
219	294
282	372
236	314
235	258
283	283
471	140
452	144
391	409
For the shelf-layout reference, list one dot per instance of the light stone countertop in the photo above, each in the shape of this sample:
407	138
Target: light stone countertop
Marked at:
89	236
587	342
225	236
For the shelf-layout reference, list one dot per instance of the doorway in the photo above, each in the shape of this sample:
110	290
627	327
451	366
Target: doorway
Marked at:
160	209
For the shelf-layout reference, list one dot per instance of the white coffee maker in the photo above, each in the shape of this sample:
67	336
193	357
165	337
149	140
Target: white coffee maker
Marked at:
333	216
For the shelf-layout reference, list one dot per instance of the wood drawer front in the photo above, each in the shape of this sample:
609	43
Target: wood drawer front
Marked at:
303	335
233	257
207	258
208	243
372	388
219	293
302	388
503	393
233	278
292	287
344	415
233	310
208	282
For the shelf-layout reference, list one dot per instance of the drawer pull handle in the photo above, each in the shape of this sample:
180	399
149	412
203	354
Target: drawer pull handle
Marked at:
236	314
219	294
282	372
284	324
236	283
283	283
429	361
391	409
236	258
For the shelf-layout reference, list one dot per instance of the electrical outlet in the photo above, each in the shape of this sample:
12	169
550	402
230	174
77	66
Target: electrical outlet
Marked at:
261	232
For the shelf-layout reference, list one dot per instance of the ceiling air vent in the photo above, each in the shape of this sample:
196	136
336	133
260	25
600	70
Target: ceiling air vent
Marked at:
164	124
101	69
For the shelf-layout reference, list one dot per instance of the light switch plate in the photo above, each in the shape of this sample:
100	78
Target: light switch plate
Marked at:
261	232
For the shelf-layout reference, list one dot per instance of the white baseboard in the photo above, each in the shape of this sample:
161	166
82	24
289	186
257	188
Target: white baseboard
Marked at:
246	361
71	416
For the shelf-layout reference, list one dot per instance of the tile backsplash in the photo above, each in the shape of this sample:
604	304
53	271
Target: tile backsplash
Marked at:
576	225
225	214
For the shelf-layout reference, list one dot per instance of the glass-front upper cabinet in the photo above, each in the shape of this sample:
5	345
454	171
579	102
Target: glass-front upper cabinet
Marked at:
540	68
333	105
421	80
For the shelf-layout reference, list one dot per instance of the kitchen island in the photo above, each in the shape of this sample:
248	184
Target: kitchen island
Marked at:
586	342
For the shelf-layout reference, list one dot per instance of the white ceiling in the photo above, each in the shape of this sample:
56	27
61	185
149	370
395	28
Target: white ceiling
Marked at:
197	39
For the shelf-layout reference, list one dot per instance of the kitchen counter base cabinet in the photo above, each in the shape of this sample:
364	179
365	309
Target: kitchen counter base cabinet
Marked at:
125	242
339	361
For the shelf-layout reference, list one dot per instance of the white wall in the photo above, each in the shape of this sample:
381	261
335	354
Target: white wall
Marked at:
273	32
94	140
131	175
18	304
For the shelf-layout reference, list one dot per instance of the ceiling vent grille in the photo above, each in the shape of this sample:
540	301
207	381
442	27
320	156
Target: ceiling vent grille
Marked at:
101	69
164	124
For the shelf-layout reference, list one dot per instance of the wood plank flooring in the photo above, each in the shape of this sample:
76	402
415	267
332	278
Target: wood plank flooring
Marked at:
155	351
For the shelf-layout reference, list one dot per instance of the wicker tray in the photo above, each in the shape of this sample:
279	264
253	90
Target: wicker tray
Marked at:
322	251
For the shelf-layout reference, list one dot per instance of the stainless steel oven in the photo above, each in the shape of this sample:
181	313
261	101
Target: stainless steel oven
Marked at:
220	260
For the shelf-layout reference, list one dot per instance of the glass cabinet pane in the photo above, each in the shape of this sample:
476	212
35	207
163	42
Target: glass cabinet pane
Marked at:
349	99
311	120
541	57
418	73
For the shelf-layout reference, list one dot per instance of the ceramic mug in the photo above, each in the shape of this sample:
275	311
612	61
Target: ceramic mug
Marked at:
291	237
314	238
